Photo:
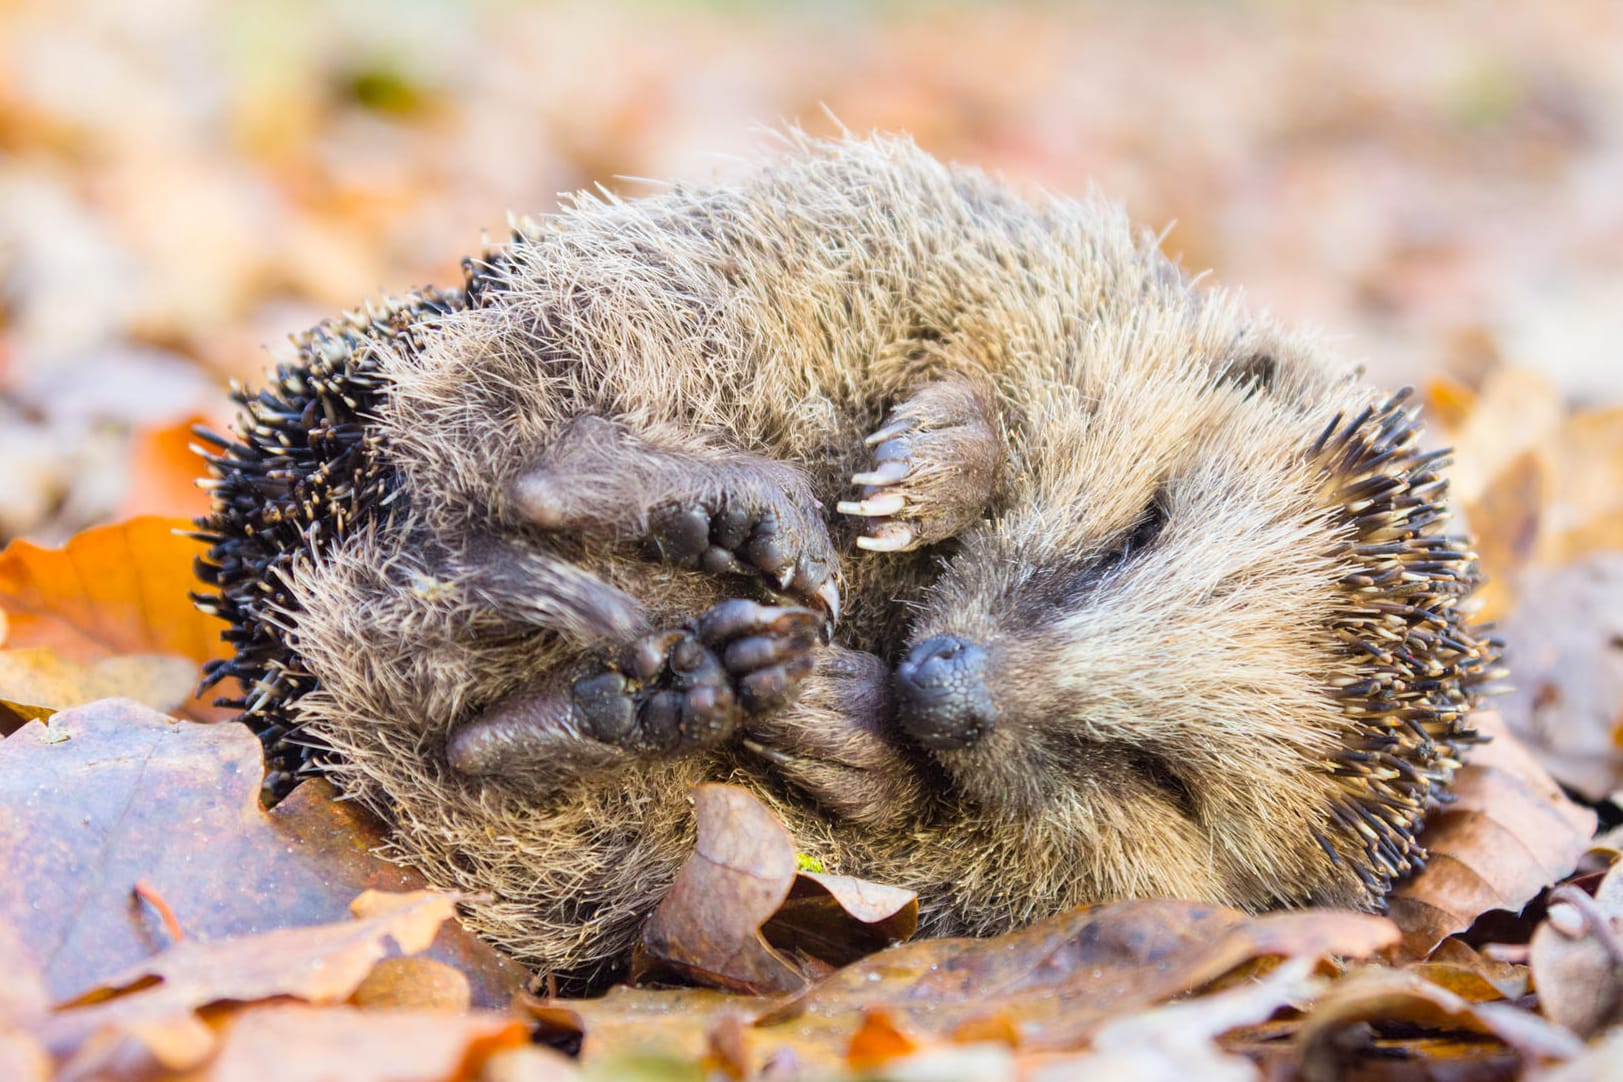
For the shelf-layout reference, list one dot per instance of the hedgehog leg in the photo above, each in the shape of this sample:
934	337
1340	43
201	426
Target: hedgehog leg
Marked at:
668	692
721	512
833	743
939	460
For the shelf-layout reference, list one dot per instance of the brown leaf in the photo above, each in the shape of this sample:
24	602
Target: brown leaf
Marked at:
111	794
1053	983
837	919
1178	1042
1586	506
151	1005
1566	658
421	983
35	682
1458	968
1506	521
1047	988
1399	996
1509	833
674	1022
713	926
1577	957
110	591
296	1043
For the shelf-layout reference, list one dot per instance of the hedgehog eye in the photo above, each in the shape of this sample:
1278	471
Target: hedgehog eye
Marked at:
1141	536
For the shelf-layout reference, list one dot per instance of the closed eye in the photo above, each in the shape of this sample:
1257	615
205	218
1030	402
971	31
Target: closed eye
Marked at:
1142	535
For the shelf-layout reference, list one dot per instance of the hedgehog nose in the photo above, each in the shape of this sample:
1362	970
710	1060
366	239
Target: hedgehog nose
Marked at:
942	693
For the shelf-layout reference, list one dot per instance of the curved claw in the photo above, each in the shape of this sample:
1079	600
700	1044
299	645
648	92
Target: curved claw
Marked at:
889	432
886	473
879	505
890	537
829	595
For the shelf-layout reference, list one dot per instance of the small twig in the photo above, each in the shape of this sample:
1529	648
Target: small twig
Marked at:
1600	925
149	894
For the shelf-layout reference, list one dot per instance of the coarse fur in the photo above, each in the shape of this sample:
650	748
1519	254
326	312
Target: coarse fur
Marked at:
1194	569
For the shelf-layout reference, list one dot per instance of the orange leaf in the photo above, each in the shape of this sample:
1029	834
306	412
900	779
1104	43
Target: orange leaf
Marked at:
117	589
106	614
164	471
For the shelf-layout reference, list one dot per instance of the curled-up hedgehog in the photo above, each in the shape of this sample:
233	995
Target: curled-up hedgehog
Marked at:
1002	561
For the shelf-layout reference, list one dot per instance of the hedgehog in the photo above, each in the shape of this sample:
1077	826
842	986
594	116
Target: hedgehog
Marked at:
1001	558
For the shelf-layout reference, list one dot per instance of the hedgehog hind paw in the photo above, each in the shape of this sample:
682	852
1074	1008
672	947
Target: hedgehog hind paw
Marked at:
692	688
754	533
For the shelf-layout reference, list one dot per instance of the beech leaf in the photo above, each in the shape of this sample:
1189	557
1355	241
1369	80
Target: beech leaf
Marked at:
1508	834
110	795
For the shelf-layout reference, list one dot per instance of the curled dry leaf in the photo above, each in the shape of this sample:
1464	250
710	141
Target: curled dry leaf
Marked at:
1577	956
1508	834
111	591
1458	968
741	916
111	794
291	1042
1400	997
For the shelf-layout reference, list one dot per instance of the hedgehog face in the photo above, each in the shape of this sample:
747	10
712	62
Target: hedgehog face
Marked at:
1124	613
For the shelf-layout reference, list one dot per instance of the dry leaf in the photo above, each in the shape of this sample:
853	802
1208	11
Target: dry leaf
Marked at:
1574	957
1516	411
1506	522
150	1007
111	794
1178	1042
1049	987
1398	996
1458	968
419	983
1509	833
709	927
35	682
297	1043
1565	652
673	1022
110	591
164	470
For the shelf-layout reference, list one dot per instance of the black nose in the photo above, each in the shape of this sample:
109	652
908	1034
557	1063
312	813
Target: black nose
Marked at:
941	686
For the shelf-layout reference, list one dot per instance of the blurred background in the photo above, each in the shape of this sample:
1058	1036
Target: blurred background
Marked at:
183	183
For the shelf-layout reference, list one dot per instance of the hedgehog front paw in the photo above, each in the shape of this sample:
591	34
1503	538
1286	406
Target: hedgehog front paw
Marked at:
938	463
691	688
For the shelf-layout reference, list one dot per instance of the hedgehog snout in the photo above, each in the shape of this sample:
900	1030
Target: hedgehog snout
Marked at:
942	694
